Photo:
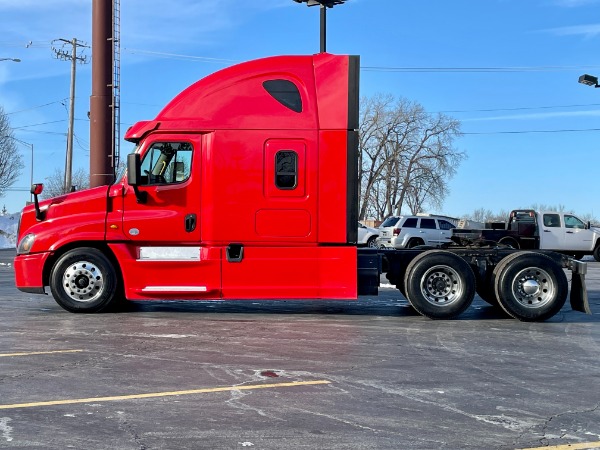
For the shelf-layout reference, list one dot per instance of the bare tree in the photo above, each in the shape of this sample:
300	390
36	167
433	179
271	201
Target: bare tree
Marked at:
11	161
407	156
55	183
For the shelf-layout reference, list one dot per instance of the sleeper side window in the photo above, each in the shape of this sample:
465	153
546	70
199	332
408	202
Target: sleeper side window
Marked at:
285	92
167	163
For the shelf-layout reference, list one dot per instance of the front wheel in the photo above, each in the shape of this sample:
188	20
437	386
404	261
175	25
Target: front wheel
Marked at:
530	286
597	253
83	280
439	284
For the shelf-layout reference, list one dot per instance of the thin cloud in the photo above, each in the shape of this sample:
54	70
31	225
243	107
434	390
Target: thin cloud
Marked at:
589	31
575	3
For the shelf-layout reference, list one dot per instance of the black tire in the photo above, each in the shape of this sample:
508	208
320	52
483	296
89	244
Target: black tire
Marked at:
597	252
485	290
414	242
84	280
530	286
372	242
510	242
439	284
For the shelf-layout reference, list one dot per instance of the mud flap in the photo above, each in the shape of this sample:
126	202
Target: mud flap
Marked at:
579	296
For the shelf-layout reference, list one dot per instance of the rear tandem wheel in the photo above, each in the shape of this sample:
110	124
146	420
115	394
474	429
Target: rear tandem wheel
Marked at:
439	284
530	286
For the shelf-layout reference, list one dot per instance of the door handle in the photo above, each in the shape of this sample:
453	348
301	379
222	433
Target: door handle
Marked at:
190	222
570	232
546	231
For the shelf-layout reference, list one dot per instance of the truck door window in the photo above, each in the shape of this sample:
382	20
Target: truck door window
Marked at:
285	92
286	169
573	222
167	163
552	220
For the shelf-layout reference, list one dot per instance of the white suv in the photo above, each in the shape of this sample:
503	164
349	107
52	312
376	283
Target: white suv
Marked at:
367	236
410	231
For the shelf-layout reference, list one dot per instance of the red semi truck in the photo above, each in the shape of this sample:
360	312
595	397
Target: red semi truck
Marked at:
245	187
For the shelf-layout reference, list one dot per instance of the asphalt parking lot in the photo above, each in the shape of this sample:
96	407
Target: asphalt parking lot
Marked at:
370	374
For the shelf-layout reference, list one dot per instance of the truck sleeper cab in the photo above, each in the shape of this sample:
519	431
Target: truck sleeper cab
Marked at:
245	186
237	195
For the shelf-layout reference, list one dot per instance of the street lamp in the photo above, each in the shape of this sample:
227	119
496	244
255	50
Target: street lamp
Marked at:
31	173
10	59
324	5
589	80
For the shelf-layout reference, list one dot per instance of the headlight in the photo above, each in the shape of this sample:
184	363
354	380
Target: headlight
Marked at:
25	245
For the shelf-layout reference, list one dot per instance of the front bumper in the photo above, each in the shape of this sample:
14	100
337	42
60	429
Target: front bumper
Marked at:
29	270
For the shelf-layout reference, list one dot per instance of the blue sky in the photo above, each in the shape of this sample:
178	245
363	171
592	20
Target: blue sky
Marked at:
507	69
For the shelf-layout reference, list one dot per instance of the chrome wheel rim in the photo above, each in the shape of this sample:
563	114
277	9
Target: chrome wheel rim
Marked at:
442	286
533	287
83	281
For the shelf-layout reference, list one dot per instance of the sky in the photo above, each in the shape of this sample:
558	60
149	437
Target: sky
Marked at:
506	69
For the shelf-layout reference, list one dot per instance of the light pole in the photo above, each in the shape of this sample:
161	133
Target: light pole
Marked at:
324	4
31	172
10	59
589	80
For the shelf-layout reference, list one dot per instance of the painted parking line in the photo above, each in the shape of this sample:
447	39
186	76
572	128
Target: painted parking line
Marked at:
578	446
38	353
164	394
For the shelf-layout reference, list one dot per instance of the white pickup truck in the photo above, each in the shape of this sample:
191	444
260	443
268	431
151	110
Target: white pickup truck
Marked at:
546	230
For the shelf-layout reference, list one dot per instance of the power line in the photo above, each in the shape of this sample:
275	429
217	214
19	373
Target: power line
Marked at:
179	56
532	131
478	69
38	124
37	107
499	69
524	108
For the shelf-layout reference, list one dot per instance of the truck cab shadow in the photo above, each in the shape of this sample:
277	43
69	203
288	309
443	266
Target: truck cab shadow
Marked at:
363	307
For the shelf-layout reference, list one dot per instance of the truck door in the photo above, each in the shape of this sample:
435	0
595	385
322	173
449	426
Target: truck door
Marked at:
162	223
577	236
169	213
552	236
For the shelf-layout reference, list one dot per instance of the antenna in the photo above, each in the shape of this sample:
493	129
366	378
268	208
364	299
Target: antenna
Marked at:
324	5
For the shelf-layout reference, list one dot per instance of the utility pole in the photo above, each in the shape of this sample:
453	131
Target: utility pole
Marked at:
72	55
